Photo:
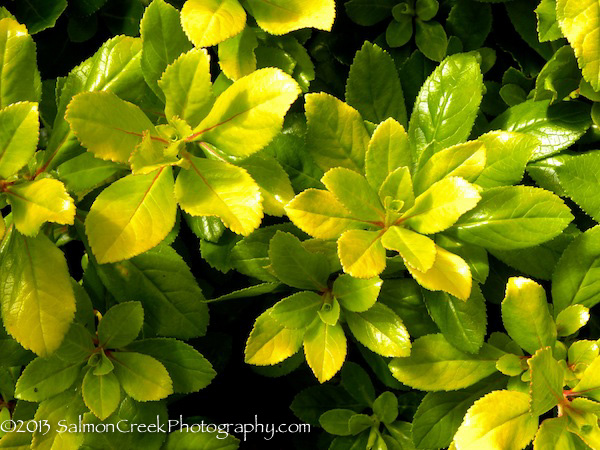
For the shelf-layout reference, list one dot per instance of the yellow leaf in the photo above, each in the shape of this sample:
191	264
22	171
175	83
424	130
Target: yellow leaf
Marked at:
449	273
361	253
388	150
283	16
416	250
208	22
325	349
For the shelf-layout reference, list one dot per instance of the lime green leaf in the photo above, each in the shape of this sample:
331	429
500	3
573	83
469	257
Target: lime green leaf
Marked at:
501	419
217	188
19	76
579	21
207	23
507	154
283	16
462	160
330	312
388	149
336	421
275	187
559	77
295	266
446	106
355	294
236	54
320	214
571	319
107	126
581	354
513	217
150	155
449	273
557	126
373	86
46	377
398	186
36	202
163	40
441	205
436	365
416	250
547	25
38	304
18	136
270	342
431	39
380	330
361	253
476	257
385	407
131	216
142	377
101	394
120	325
462	323
547	381
578	177
248	115
526	316
86	172
553	434
336	134
325	349
354	193
589	383
510	365
575	278
188	369
298	310
187	87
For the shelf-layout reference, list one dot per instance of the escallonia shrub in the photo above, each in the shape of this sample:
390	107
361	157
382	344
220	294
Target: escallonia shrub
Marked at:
391	211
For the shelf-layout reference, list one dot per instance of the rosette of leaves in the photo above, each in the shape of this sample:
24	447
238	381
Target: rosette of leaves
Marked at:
99	373
471	405
400	190
313	317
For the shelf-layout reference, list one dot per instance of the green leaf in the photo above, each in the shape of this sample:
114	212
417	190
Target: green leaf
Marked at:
101	394
388	149
463	16
398	187
416	250
187	368
207	23
46	377
557	126
187	87
507	154
236	54
18	136
559	77
513	217
553	433
320	214
462	323
354	294
19	76
373	86
295	266
38	304
547	26
431	39
571	319
107	126
463	160
354	193
163	41
447	104
120	325
282	16
161	280
589	383
510	365
547	381
217	188
476	257
385	407
86	172
357	383
526	316
399	31
578	178
142	377
361	253
248	115
380	330
38	15
336	421
579	21
501	419
270	342
369	12
325	349
435	365
298	310
131	216
336	134
36	202
441	205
